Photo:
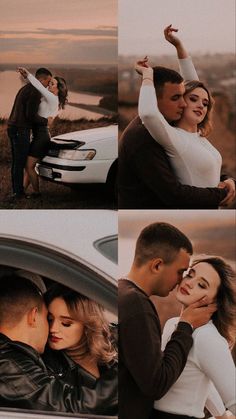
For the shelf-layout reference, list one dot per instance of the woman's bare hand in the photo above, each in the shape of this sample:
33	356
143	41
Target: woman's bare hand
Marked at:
170	37
141	64
23	71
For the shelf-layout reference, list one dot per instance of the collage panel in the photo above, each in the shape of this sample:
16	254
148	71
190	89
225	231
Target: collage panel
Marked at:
58	314
177	104
58	111
176	299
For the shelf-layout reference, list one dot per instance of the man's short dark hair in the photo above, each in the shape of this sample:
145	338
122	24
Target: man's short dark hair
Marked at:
160	240
18	295
43	72
162	75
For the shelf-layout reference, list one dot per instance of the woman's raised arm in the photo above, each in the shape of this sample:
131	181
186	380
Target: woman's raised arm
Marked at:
174	40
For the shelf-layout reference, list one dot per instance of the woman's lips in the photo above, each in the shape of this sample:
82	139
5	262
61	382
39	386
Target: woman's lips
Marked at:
54	339
184	291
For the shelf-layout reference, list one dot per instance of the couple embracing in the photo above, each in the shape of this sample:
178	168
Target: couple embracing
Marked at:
165	158
35	106
189	367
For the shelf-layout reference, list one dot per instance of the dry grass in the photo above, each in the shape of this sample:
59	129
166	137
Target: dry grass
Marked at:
54	196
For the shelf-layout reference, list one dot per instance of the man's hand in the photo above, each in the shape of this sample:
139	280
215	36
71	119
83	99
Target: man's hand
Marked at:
229	184
199	313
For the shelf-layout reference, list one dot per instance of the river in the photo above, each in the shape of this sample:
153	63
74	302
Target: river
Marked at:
10	83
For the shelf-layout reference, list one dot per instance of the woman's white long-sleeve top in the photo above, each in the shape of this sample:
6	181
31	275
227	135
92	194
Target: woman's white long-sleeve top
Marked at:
194	159
48	106
209	363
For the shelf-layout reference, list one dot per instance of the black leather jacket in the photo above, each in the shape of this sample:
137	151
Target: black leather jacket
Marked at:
26	382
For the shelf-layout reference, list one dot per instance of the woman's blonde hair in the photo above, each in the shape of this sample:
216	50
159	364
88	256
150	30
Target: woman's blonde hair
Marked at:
97	340
225	317
205	127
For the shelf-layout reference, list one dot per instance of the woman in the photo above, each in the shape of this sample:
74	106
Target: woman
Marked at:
81	347
53	99
209	362
195	161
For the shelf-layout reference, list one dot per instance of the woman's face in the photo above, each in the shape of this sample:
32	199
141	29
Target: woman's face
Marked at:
64	331
52	87
201	280
197	102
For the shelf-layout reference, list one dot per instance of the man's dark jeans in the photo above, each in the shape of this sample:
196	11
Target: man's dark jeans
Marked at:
20	142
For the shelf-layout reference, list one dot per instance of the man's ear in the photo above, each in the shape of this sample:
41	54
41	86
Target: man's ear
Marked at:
156	264
32	317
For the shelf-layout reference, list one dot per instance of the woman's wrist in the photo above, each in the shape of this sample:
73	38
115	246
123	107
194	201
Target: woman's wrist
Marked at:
148	74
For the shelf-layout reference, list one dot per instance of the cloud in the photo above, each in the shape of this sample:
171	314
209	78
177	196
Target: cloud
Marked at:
60	50
104	31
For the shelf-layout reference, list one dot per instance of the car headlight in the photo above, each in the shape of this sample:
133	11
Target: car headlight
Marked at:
77	154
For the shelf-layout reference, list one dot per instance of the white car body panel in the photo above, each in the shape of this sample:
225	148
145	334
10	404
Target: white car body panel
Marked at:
103	140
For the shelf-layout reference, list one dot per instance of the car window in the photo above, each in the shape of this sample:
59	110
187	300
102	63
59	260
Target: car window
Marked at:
108	247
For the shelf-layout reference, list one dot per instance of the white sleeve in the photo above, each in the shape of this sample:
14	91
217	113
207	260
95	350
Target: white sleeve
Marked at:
154	121
214	402
168	329
187	69
216	361
49	96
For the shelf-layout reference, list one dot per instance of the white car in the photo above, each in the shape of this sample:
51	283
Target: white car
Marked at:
75	248
87	156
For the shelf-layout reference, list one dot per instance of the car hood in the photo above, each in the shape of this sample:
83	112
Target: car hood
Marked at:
90	135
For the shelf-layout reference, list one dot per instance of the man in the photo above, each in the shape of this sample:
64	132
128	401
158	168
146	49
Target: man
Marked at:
25	381
22	118
145	373
146	179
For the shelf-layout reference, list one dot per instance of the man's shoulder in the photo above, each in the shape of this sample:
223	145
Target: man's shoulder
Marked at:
29	91
132	298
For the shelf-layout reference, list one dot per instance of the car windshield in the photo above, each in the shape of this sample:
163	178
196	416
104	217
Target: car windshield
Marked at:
108	247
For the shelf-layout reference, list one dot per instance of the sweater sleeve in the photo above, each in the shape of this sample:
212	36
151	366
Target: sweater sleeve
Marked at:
153	371
214	402
49	96
216	361
154	121
187	69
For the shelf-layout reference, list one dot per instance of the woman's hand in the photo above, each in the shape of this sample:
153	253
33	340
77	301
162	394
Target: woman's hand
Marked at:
174	40
23	71
170	37
142	67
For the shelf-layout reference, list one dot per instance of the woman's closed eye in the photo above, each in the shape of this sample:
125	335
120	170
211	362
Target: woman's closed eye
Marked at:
202	285
66	324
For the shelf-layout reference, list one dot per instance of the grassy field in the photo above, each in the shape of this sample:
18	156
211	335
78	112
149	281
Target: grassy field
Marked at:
54	196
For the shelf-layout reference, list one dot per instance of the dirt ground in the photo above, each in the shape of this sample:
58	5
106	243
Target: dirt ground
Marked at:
54	196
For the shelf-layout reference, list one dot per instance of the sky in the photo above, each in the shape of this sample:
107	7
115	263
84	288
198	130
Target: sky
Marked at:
58	31
205	26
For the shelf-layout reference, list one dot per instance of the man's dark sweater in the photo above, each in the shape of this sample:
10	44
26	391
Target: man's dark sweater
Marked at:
145	373
24	113
147	181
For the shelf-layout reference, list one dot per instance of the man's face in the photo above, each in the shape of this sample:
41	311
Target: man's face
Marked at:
45	80
171	274
171	104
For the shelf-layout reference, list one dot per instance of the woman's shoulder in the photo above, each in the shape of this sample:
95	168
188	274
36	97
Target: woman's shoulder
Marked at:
208	333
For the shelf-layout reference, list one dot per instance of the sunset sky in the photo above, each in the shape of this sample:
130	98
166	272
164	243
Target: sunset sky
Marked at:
58	31
206	26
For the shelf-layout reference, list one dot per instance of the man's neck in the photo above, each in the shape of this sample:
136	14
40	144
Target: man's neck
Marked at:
139	277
